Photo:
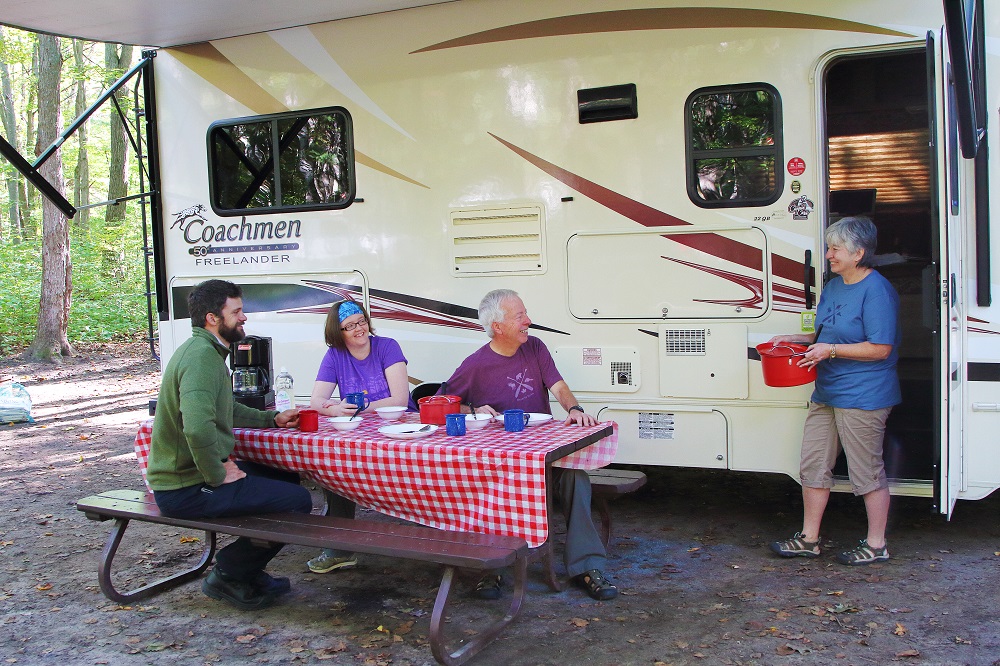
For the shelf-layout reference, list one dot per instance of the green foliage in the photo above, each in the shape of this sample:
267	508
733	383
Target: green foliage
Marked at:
108	299
105	307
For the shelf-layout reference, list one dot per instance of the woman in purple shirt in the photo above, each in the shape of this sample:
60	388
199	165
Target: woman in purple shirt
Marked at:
356	362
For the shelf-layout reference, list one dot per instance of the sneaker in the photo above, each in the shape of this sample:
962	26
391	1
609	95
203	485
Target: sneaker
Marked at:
863	554
596	585
328	561
488	588
268	584
243	595
796	547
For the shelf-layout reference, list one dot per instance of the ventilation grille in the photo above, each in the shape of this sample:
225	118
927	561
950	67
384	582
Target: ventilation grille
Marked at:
497	241
684	343
621	374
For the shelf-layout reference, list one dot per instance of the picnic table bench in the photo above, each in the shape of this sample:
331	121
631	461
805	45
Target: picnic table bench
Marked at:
608	484
449	548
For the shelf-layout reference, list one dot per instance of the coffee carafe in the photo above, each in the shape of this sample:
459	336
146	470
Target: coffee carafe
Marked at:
252	371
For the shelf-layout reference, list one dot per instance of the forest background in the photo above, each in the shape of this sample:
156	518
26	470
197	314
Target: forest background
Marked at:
105	278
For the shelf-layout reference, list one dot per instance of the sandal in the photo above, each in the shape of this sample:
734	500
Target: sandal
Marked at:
596	585
863	554
797	546
488	587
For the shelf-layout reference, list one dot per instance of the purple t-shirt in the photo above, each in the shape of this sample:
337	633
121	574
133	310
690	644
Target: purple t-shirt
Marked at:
367	376
521	381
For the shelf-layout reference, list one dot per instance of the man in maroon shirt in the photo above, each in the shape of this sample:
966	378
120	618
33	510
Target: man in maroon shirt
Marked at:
516	371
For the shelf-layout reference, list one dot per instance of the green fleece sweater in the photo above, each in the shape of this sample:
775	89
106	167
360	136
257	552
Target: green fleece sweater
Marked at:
195	415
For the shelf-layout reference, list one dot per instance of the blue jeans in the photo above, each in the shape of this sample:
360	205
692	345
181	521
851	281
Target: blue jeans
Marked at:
257	493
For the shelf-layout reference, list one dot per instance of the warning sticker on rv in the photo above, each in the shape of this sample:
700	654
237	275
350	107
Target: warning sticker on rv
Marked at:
656	425
592	356
796	166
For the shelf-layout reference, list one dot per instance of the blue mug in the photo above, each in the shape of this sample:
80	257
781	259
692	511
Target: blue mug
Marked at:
514	420
358	399
455	424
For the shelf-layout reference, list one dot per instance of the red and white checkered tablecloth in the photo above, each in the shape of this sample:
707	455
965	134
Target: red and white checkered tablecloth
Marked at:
489	481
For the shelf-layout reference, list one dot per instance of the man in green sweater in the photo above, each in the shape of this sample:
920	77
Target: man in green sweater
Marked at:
189	468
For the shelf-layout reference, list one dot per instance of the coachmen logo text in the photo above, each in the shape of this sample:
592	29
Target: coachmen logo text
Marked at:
245	242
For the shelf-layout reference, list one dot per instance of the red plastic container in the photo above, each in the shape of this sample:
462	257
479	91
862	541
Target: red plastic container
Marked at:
780	364
434	407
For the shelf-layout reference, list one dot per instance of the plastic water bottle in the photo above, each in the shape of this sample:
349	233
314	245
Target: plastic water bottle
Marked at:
284	393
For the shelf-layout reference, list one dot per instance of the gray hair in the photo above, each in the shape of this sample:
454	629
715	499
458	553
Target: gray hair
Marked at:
490	310
855	233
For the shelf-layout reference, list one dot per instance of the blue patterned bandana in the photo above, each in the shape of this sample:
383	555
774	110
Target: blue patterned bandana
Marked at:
346	309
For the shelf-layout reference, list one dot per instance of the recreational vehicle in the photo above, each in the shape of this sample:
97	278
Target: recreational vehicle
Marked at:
653	177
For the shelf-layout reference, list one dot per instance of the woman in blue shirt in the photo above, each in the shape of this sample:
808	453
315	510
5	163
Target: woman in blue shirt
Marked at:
854	355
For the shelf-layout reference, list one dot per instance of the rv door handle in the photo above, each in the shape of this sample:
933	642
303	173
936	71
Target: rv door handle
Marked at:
807	279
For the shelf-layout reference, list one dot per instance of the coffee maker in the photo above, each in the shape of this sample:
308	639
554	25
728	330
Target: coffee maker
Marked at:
252	371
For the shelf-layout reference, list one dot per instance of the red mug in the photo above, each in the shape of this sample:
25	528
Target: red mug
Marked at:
308	420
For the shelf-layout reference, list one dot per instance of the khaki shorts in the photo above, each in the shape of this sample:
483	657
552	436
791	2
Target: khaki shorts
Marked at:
860	431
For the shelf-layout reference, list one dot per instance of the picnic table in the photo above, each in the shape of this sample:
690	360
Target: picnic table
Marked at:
489	481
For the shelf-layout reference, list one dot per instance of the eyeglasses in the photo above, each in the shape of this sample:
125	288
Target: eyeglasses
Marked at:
353	325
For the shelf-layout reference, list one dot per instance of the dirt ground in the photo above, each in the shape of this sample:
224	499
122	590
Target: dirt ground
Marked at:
698	583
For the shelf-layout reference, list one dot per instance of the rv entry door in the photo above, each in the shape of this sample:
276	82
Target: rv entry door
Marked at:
945	153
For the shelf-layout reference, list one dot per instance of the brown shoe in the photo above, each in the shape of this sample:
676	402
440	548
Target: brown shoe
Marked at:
797	546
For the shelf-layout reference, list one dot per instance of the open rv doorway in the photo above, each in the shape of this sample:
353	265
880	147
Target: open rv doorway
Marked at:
878	128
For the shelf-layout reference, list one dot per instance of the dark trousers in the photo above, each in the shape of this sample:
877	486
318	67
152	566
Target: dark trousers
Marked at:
584	549
263	490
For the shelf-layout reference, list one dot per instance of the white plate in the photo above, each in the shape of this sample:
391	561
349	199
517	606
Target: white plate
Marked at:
537	418
407	430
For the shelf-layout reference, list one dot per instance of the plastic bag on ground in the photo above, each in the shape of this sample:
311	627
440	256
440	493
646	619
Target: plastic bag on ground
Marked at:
15	403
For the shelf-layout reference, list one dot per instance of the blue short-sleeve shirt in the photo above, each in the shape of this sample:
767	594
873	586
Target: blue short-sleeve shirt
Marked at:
866	311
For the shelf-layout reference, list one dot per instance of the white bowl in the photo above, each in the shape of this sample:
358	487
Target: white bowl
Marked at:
390	413
345	423
477	421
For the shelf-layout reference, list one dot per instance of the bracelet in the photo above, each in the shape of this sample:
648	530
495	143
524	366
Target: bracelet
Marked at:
833	351
576	408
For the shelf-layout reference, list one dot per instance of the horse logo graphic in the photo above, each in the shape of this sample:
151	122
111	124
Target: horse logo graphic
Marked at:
182	218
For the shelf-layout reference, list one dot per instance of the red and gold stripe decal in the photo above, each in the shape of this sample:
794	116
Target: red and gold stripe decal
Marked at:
665	18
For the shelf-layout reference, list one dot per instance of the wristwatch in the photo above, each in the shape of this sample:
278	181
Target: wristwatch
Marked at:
576	408
833	351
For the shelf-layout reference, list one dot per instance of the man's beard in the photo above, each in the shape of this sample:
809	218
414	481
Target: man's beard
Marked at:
231	334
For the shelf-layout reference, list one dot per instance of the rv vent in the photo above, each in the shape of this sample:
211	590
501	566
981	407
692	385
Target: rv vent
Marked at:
621	374
684	343
497	241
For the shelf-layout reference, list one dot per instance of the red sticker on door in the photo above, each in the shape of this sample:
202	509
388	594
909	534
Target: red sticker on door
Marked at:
796	166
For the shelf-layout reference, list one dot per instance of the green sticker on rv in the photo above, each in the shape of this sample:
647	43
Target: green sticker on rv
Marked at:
807	321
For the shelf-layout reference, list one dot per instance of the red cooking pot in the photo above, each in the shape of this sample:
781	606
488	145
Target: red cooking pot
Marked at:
434	407
780	364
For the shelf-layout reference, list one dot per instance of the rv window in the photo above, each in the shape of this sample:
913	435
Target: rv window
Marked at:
734	145
286	162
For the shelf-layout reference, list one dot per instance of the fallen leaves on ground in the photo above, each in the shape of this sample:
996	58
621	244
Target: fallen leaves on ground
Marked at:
900	630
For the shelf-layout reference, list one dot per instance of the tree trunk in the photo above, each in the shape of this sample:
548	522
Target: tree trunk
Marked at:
31	195
81	175
51	341
115	63
10	133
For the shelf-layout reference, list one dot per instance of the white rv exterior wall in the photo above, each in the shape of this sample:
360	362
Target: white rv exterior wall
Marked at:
440	131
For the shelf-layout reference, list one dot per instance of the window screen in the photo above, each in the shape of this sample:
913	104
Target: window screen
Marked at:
285	162
734	145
